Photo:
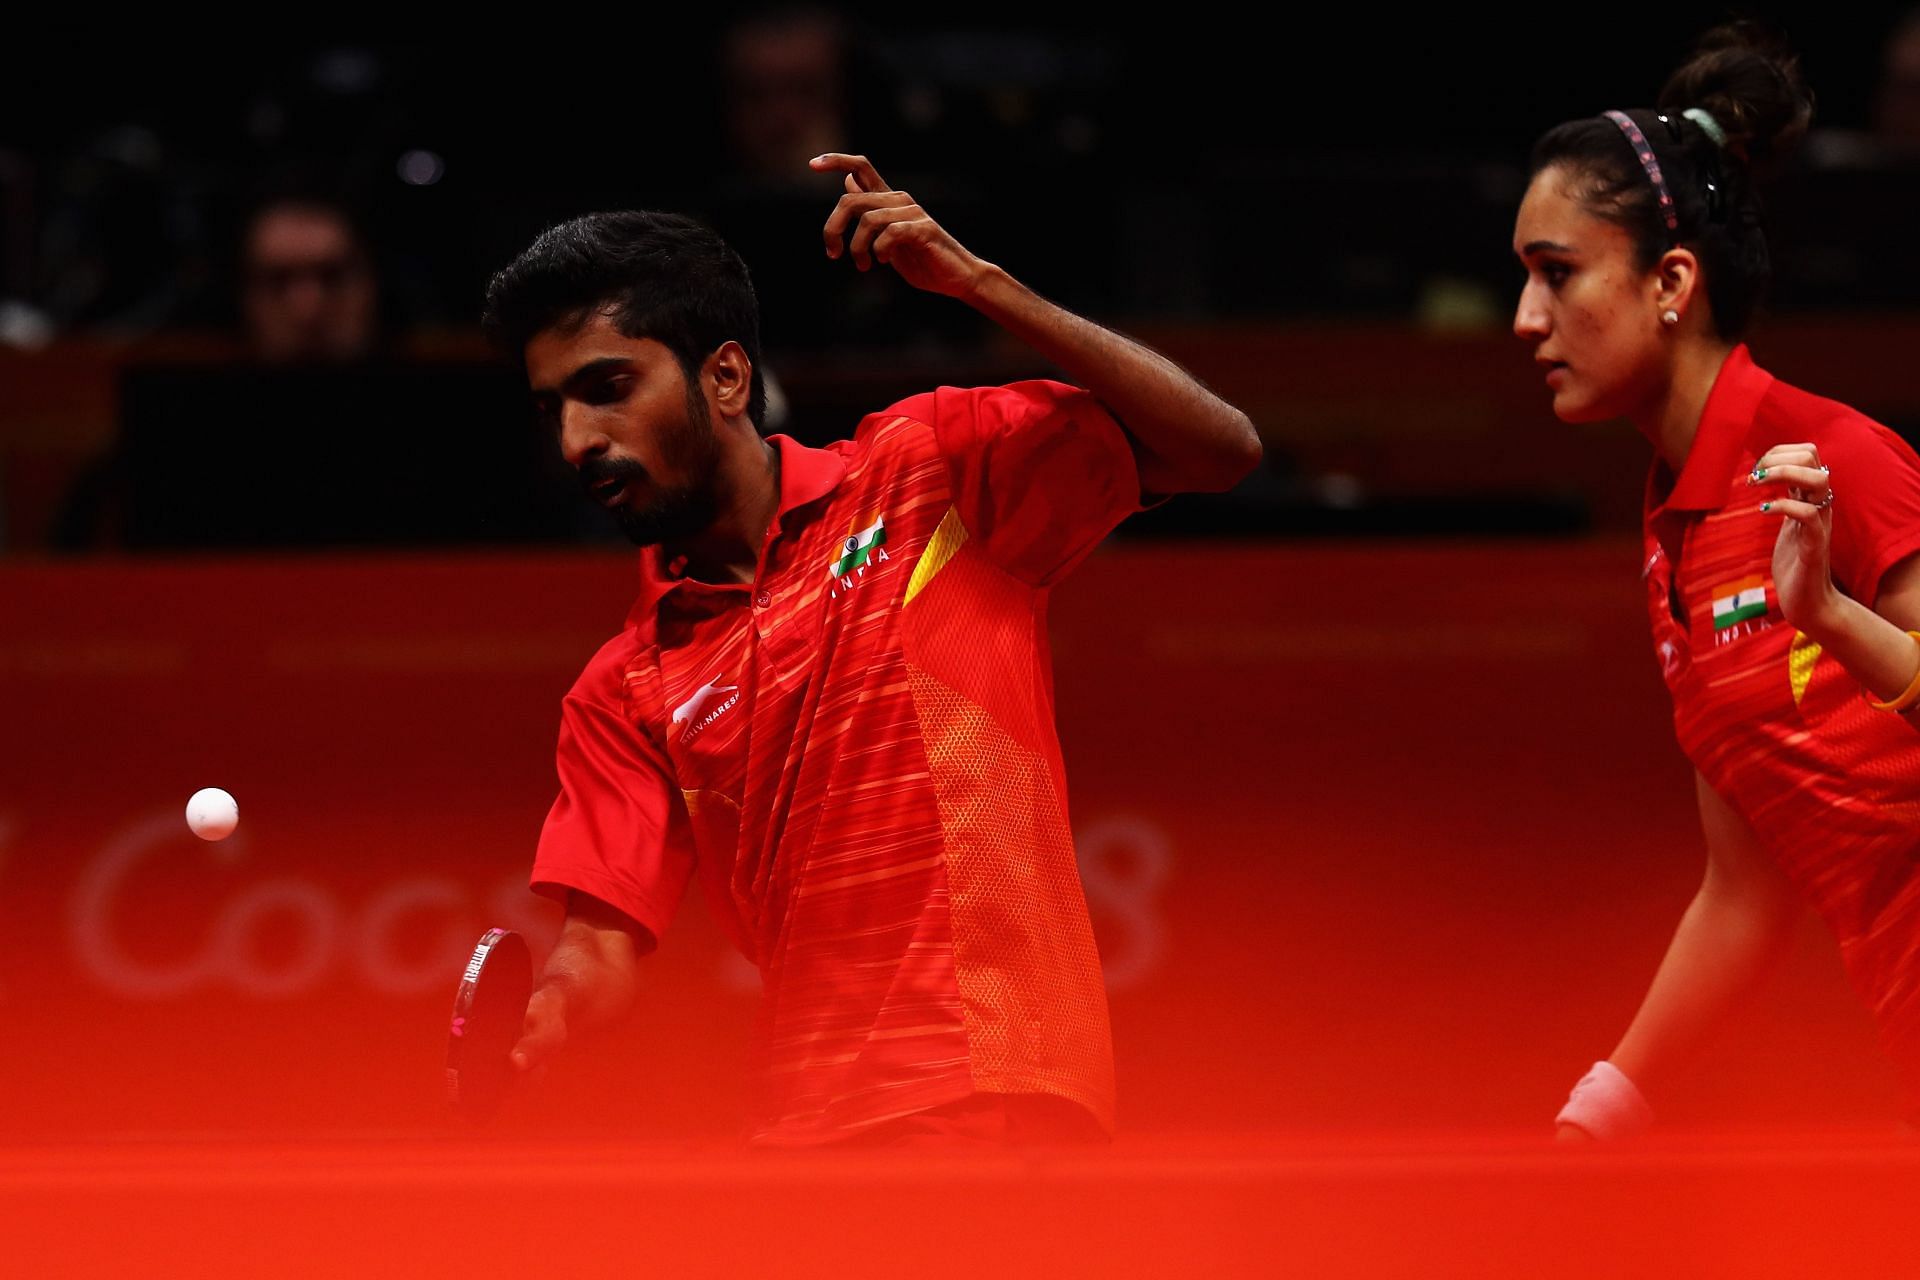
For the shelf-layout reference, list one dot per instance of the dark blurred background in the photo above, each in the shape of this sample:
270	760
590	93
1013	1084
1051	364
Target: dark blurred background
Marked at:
238	292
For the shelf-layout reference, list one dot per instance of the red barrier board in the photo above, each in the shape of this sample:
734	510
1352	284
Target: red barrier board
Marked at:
1374	836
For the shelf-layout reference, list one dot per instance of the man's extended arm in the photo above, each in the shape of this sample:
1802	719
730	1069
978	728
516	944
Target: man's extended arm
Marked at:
1185	437
589	980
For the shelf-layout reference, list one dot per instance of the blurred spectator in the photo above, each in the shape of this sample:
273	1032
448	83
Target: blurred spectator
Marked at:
1897	114
795	80
786	78
321	434
308	290
784	75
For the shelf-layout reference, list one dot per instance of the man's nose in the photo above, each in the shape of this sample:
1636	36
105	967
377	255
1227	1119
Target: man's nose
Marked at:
579	439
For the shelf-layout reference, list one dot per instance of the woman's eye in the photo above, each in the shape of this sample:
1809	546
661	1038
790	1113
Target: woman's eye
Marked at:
1556	273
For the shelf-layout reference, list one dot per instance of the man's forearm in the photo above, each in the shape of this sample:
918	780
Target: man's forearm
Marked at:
1186	437
593	975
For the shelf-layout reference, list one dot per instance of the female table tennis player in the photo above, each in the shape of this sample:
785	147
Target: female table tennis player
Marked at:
1781	532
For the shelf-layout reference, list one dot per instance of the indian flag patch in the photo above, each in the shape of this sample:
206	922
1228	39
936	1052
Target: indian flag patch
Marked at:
1739	601
859	548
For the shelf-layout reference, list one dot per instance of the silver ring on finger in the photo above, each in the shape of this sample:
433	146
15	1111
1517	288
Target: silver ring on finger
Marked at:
1827	501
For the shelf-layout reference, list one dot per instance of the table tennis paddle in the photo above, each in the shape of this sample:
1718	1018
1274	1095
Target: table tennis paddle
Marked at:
488	1010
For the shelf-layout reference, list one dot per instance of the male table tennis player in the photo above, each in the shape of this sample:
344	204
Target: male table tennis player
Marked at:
832	701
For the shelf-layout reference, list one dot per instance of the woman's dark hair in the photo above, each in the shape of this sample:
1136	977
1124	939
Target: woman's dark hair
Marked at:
1748	79
658	275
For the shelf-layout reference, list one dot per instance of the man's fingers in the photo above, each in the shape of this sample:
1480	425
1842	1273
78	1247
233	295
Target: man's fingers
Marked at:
851	208
858	168
542	1033
872	224
533	1050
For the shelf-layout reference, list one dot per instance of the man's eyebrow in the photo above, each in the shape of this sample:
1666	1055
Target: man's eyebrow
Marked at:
585	373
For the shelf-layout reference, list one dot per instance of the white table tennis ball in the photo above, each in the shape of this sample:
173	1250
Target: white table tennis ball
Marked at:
212	814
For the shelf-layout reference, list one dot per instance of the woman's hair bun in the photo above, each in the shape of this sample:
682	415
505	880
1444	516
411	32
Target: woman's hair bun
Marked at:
1748	78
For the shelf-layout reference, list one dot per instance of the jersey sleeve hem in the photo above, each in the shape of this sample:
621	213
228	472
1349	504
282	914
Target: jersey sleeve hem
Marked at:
1890	555
555	882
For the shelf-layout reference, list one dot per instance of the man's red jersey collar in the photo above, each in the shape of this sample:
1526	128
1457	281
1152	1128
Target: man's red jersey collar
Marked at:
806	475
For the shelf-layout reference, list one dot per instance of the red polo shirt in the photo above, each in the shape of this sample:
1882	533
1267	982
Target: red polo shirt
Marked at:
856	755
1830	786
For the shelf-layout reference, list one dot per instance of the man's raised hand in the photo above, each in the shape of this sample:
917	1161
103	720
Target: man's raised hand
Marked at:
874	223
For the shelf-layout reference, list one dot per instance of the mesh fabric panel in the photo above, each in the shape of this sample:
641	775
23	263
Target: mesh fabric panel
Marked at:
1029	974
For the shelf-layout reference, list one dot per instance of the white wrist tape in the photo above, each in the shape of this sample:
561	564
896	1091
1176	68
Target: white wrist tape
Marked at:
1606	1105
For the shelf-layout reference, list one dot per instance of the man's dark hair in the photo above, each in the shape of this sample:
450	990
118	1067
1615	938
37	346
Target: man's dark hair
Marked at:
657	275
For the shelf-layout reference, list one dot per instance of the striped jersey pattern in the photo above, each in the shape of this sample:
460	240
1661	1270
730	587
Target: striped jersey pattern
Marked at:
856	756
1830	786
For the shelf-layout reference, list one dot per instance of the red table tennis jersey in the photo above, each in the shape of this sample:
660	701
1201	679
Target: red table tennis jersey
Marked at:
856	755
1830	786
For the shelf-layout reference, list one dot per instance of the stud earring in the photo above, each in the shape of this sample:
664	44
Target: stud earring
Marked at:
1670	317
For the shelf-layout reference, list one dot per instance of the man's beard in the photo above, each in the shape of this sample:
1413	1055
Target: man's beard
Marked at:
669	513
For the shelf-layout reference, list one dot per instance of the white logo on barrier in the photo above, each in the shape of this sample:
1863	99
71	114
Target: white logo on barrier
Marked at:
324	934
1124	862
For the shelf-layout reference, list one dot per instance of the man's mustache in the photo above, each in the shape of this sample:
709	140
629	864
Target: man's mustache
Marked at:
598	471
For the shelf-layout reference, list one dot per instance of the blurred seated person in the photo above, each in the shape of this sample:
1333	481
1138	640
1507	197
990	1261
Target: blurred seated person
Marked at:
785	73
308	291
318	436
789	75
1897	110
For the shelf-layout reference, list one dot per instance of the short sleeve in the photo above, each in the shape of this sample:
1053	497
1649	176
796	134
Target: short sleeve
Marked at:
1040	471
1876	505
617	831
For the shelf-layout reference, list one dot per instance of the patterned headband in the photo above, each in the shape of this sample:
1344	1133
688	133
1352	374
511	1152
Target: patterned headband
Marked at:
1644	150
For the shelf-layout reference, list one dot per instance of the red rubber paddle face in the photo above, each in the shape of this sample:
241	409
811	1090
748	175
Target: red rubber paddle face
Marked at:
488	1010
